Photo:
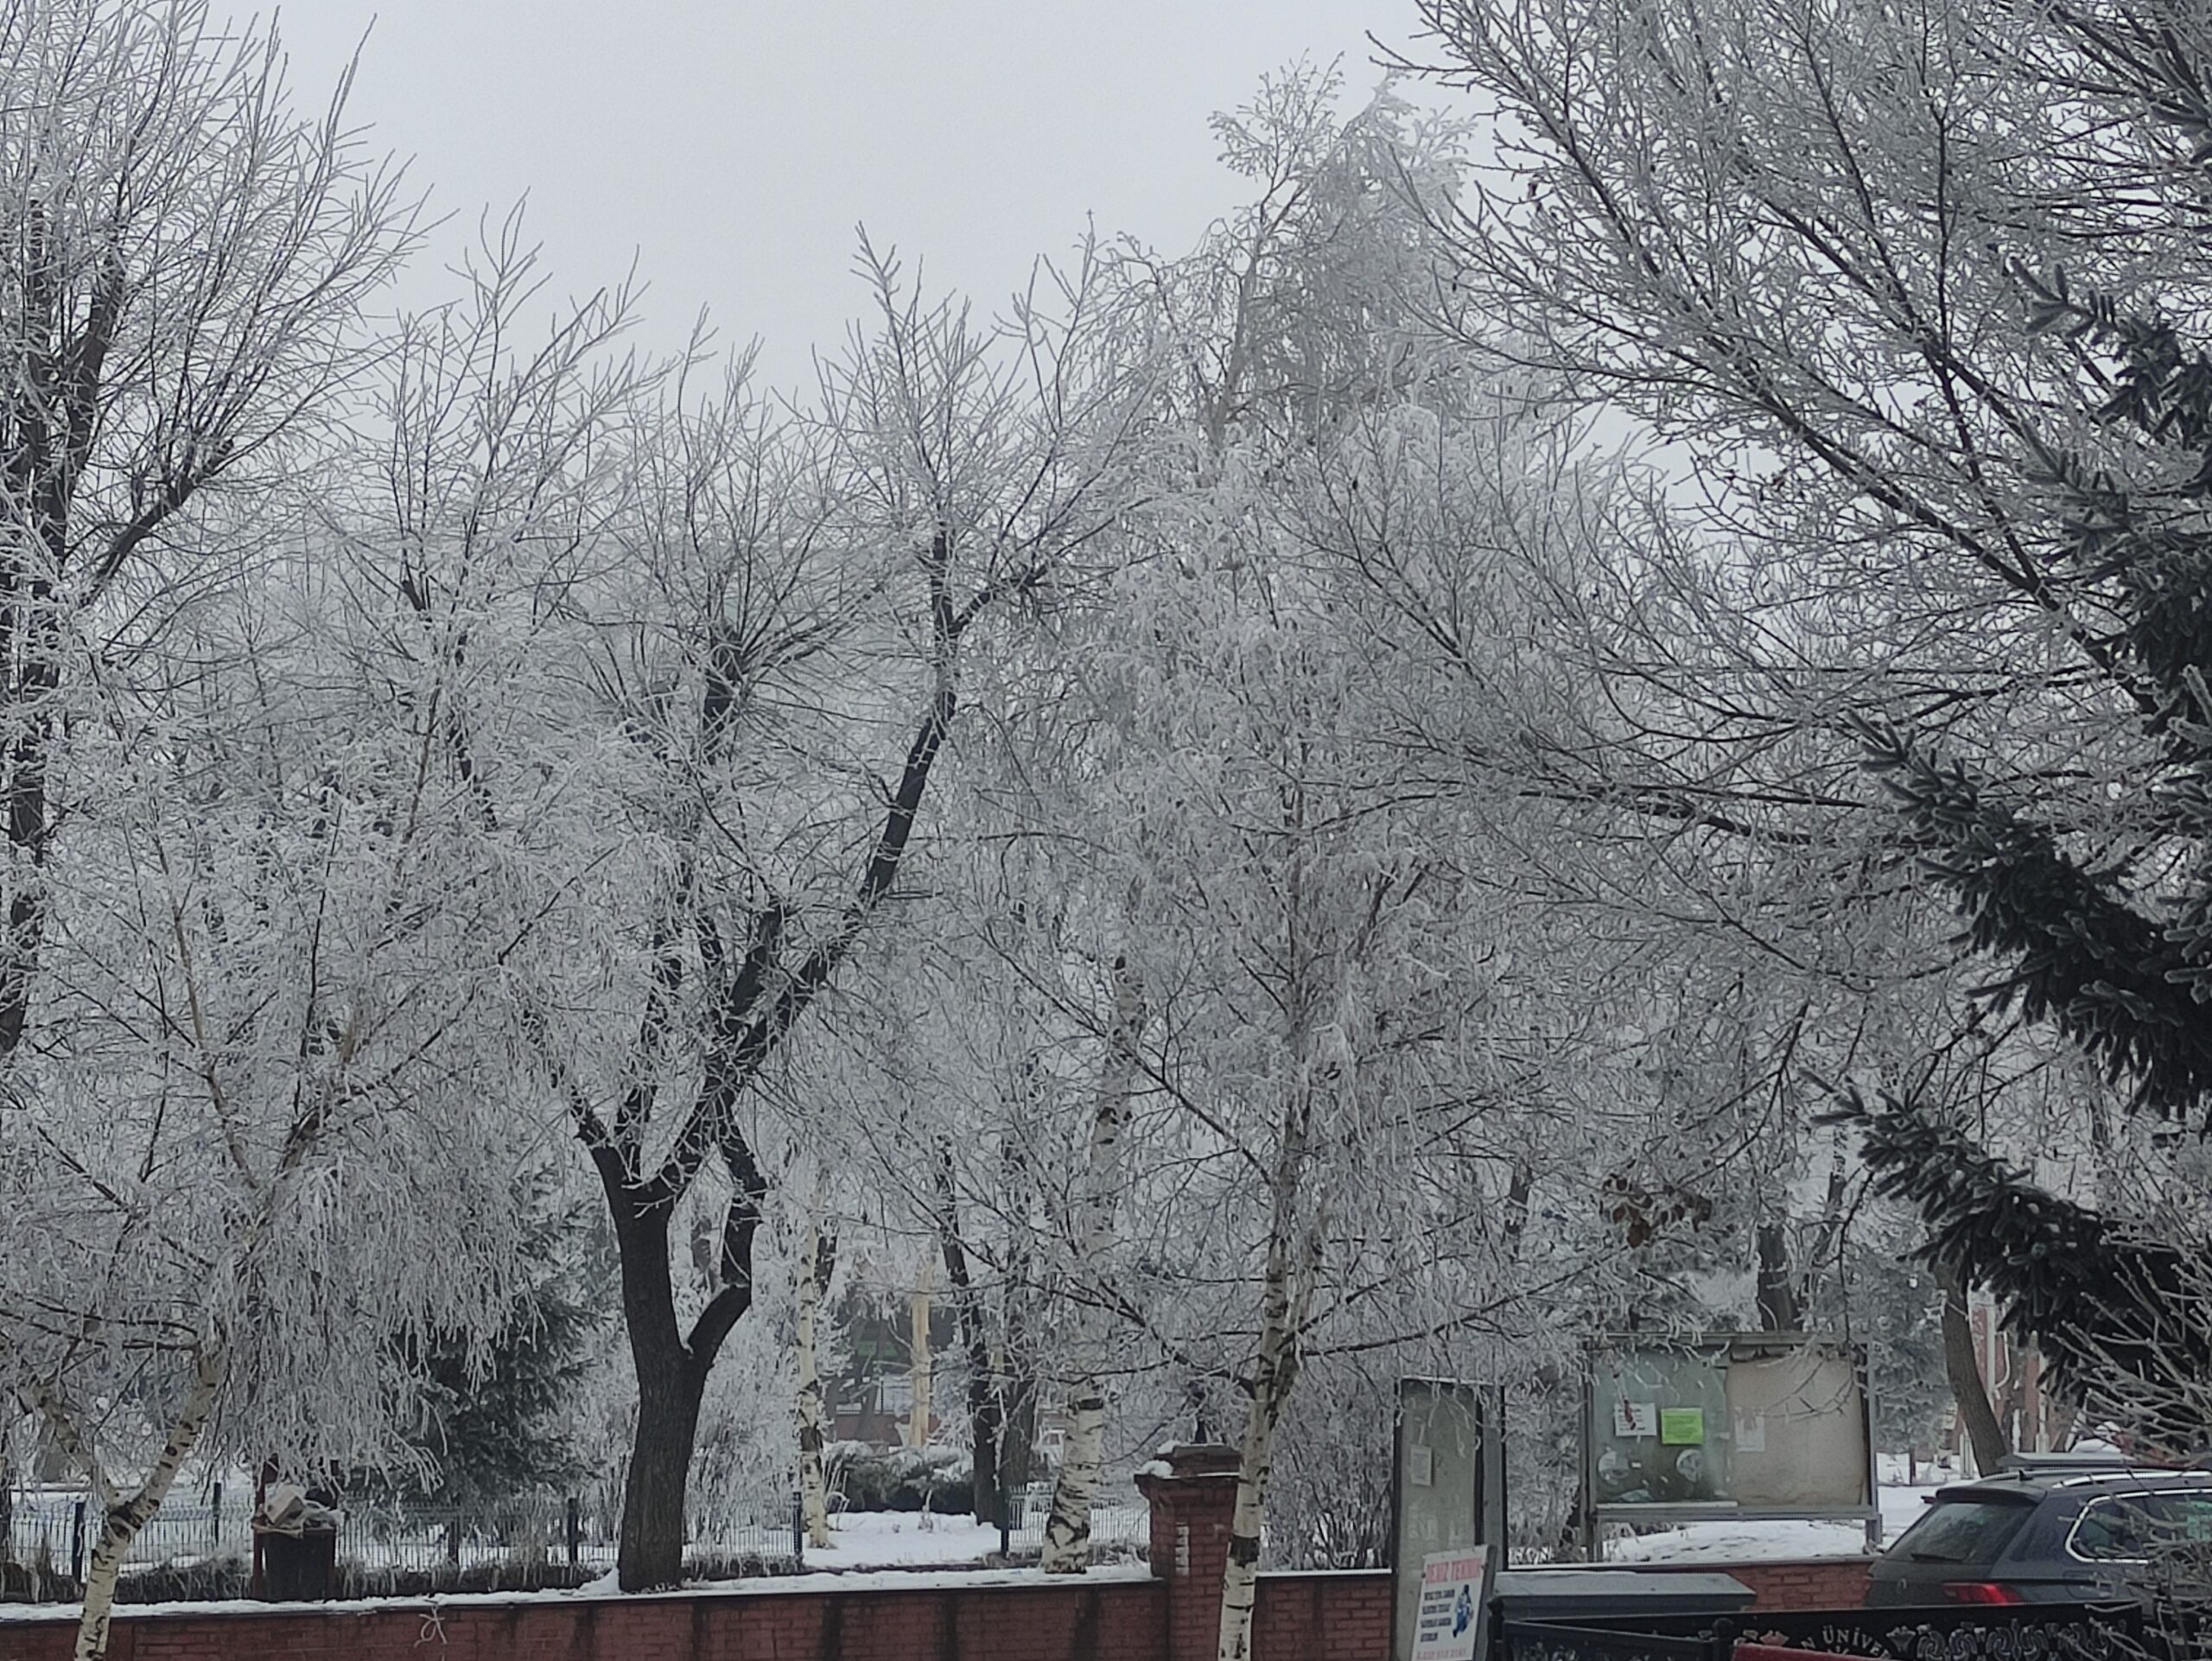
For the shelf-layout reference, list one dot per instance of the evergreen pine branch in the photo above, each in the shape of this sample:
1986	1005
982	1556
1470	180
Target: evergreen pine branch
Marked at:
2124	1321
2115	980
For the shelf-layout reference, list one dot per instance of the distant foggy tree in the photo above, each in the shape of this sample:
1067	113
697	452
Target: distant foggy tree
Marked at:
1304	1040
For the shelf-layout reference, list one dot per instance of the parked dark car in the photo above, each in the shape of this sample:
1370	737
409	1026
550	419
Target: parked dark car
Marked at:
2050	1536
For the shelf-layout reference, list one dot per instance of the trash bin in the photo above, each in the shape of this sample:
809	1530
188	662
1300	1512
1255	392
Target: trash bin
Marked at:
296	1566
1566	1596
294	1543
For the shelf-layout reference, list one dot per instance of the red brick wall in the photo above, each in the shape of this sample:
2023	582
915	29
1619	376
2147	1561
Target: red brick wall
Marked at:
1318	1617
1834	1583
1814	1583
1344	1616
1193	1506
1110	1620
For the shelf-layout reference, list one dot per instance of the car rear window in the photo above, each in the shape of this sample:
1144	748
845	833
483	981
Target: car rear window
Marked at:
2137	1527
1962	1531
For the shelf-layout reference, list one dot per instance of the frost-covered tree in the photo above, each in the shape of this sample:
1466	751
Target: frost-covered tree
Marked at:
952	1070
1914	291
188	255
1291	1034
713	652
493	1414
253	1133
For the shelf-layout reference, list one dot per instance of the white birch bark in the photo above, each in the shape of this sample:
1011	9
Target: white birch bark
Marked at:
917	1410
813	1482
1074	1492
1293	1259
121	1520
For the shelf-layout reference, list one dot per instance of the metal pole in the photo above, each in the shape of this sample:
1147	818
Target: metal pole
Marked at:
799	1528
77	1543
1005	1494
575	1531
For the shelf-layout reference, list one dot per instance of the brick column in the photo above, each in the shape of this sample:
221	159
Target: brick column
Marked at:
1193	1500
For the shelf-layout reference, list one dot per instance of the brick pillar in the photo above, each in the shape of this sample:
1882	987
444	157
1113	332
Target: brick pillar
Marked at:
1193	1501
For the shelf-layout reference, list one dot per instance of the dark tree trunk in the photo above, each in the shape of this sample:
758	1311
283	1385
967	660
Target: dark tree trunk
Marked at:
985	1426
760	999
1201	1410
671	1381
986	1407
1990	1448
1778	1290
1018	1432
1517	1189
1571	1544
1018	1403
649	1553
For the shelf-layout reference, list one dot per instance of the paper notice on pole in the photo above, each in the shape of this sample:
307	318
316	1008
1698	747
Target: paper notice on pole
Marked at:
1449	1620
1635	1418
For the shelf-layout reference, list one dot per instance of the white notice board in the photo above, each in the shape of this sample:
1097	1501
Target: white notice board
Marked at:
1449	1622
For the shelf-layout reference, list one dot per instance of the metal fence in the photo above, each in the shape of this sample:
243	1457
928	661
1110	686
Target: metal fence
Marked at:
54	1530
545	1527
1115	1529
2041	1632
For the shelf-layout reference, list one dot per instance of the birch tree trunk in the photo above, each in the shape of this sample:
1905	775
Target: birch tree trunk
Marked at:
816	1263
1294	1257
919	1412
1075	1492
121	1521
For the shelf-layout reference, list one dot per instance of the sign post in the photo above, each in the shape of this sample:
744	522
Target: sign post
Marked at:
1447	1502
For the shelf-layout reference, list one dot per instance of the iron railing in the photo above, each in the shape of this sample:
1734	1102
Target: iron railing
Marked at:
53	1530
205	1540
2041	1632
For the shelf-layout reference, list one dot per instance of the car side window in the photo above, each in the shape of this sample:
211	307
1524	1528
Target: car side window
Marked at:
2136	1528
2106	1532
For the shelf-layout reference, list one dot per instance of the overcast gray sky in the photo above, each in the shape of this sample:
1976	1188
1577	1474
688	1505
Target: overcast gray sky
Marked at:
732	145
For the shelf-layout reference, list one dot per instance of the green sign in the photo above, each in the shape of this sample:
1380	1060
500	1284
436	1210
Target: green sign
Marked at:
1681	1426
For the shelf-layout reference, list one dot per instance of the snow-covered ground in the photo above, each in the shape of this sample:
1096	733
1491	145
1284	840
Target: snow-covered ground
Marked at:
881	1539
862	1540
906	1539
1728	1539
43	1527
